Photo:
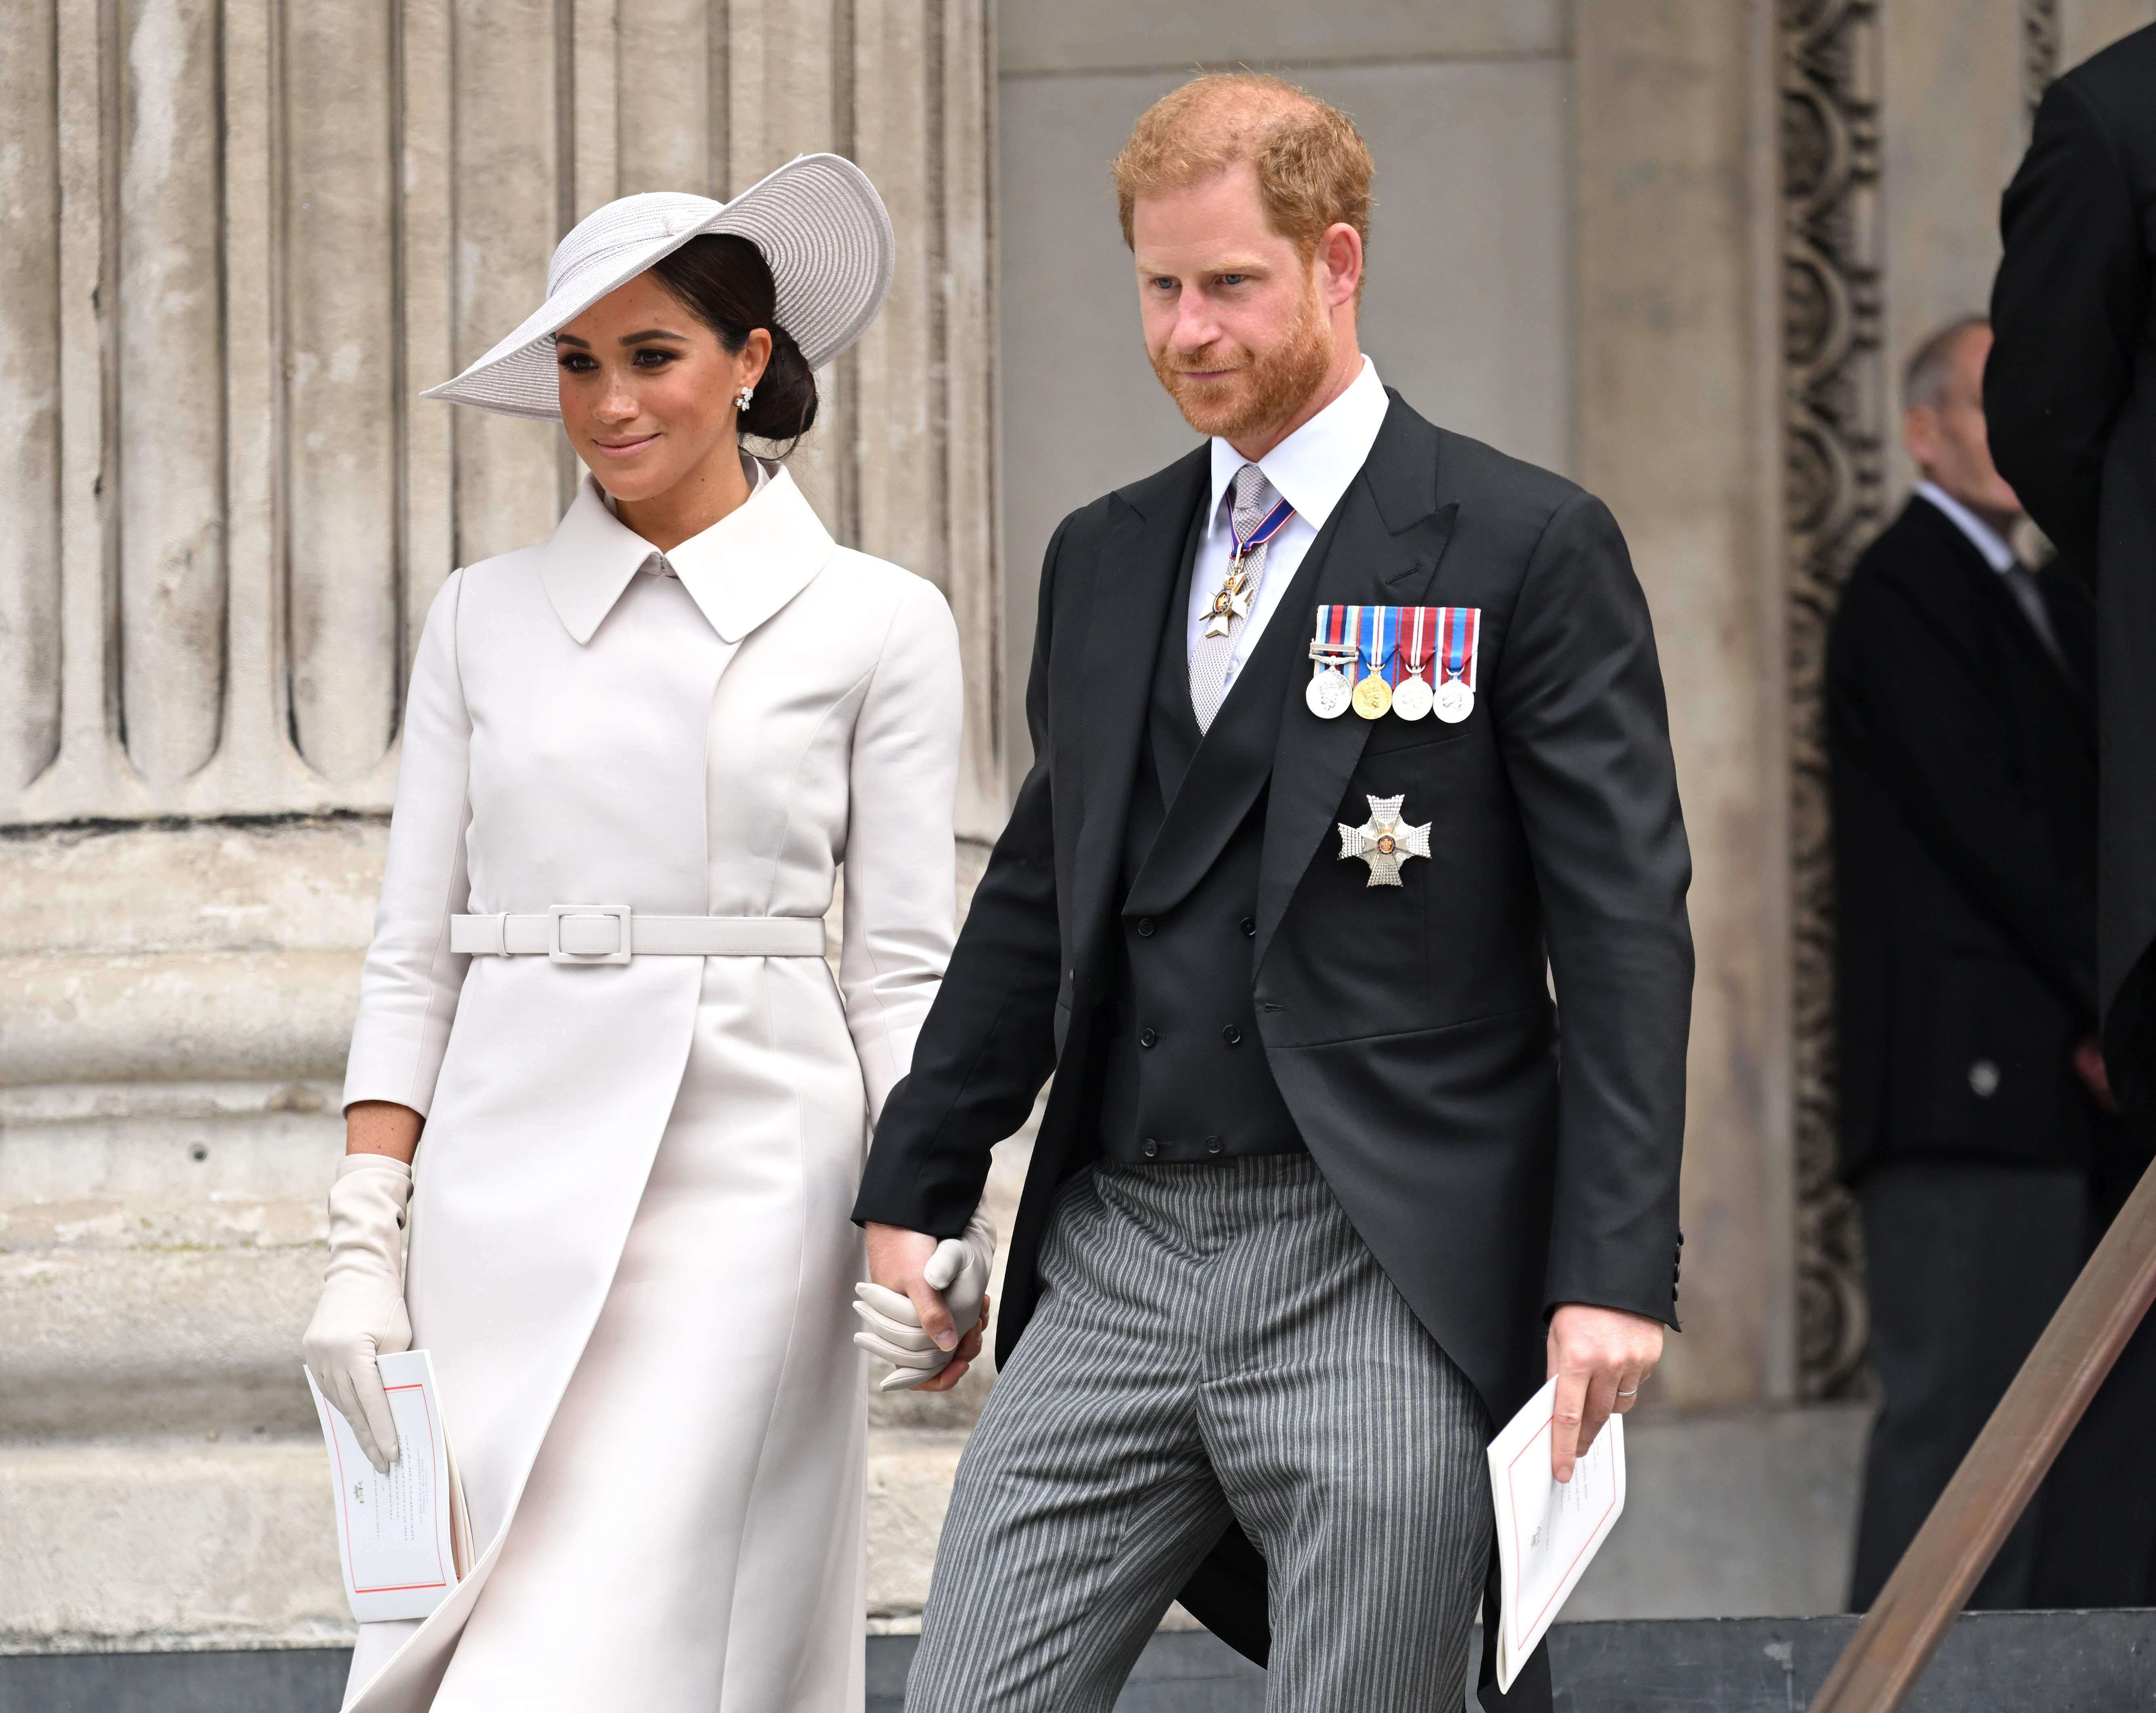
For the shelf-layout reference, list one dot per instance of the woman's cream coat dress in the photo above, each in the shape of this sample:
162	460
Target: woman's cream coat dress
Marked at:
630	1254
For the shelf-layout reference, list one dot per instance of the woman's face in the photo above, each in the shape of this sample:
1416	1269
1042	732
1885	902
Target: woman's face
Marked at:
648	391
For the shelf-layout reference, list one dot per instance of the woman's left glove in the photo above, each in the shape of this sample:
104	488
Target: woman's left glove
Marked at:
361	1314
891	1329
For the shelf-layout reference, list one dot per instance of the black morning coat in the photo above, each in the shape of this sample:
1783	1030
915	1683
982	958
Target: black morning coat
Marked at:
1411	1030
1964	828
2070	396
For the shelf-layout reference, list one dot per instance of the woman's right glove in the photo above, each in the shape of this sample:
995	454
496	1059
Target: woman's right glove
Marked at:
361	1314
891	1329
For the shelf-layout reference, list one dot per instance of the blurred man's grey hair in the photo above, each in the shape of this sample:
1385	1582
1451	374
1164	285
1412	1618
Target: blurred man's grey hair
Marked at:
1924	382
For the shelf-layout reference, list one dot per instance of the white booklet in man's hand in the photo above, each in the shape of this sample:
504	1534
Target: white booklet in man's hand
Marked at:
404	1537
1547	1534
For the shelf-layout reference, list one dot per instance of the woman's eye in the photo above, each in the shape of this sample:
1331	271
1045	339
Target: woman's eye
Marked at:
577	362
652	357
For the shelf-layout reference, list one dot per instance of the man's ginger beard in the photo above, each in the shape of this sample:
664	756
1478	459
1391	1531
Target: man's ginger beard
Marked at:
1267	386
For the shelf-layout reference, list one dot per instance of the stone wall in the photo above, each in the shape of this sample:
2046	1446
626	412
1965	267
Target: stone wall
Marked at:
237	237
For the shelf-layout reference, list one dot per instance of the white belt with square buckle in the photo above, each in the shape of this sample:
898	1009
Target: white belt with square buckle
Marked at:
613	934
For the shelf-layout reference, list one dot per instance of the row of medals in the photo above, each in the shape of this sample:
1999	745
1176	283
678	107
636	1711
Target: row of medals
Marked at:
1329	696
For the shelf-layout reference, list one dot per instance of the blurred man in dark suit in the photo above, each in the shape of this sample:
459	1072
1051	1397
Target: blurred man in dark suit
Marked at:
2071	397
1962	739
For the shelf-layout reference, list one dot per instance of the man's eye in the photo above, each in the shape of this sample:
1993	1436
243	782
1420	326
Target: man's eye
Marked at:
1233	279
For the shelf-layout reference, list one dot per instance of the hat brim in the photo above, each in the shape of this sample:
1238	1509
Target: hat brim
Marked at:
823	230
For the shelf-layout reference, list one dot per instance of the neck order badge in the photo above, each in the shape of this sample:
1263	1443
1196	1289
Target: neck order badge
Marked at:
1233	601
1393	654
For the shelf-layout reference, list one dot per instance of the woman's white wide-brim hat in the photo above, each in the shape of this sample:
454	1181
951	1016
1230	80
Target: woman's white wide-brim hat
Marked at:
819	221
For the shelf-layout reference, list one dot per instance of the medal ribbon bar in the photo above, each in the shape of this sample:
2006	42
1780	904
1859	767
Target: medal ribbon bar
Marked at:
1418	638
1270	525
1459	630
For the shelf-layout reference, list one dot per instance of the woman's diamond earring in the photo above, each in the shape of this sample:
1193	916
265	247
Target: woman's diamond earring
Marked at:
742	402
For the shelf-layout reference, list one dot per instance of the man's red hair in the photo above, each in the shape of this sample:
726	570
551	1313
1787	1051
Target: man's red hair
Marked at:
1313	167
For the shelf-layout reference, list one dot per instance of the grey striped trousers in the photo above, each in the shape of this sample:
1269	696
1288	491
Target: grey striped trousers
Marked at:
1213	1341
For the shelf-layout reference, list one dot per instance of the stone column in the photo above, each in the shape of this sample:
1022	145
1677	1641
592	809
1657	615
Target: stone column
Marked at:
236	237
1674	152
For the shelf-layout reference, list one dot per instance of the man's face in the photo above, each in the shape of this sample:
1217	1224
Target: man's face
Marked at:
1235	324
1948	440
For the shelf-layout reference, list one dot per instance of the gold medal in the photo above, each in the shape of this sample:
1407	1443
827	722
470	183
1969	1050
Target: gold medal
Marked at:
1373	696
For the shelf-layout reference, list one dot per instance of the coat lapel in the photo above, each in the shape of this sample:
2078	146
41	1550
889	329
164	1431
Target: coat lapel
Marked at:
1234	758
739	572
1391	533
1140	565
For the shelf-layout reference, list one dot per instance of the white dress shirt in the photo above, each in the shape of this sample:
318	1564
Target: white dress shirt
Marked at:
1311	469
1999	555
1986	540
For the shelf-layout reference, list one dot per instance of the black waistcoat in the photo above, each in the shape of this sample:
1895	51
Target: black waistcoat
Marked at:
1184	1076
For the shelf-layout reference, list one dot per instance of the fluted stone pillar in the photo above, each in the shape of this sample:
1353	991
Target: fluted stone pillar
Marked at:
236	237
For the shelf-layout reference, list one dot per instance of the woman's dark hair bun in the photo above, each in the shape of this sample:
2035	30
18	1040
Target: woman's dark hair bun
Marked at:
723	279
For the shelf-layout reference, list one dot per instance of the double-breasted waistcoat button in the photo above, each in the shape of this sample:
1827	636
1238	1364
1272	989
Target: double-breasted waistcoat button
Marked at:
1147	1037
1150	1147
1249	927
1213	1144
1145	928
1231	1035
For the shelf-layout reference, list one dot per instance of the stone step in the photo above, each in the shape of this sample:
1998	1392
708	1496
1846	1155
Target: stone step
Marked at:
2063	1662
227	1542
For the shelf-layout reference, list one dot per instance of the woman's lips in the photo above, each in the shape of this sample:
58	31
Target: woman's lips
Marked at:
622	449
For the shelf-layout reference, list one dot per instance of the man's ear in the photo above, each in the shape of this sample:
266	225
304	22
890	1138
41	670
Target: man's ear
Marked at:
1340	255
1920	435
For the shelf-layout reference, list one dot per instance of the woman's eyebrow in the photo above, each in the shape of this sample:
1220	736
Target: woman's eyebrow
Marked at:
650	333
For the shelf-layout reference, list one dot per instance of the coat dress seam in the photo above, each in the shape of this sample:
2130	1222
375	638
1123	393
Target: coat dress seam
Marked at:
459	858
874	997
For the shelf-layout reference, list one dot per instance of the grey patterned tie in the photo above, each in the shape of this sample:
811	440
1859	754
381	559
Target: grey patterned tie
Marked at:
1255	499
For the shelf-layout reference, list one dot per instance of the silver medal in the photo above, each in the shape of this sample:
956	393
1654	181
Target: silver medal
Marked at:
1412	699
1329	693
1454	702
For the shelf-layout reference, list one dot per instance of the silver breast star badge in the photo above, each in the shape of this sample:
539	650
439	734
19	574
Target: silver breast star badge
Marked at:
1383	842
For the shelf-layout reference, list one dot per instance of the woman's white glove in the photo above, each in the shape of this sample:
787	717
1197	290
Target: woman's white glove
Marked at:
361	1314
891	1329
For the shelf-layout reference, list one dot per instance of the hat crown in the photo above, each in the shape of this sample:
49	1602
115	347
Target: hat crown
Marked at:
817	221
626	223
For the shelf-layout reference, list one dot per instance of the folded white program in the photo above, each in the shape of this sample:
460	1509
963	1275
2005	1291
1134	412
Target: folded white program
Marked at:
1548	1534
402	1537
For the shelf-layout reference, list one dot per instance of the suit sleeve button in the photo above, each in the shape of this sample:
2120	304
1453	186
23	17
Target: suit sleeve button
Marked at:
1145	928
1213	1144
1149	1038
1232	1035
1150	1147
1250	927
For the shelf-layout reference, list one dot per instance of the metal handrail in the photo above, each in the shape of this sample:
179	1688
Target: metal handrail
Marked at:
1995	1481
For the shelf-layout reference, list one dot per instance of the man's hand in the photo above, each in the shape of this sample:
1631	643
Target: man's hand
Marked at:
1600	1357
897	1258
2089	1067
